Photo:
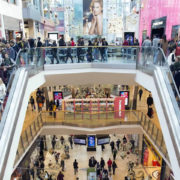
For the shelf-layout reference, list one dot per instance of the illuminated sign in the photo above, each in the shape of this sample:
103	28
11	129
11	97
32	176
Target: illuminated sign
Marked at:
158	23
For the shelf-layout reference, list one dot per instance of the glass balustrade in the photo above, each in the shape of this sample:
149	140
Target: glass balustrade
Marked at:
79	54
86	120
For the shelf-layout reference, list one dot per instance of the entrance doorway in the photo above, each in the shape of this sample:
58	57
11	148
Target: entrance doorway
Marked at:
159	32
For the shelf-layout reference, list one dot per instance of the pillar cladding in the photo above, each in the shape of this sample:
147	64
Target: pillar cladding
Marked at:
140	143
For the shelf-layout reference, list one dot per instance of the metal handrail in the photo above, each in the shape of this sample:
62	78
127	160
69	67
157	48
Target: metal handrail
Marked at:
170	74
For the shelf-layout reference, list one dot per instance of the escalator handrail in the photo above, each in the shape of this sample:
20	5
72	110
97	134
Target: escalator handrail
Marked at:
167	66
7	107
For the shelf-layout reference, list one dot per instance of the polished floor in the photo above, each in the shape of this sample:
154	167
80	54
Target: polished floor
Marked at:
82	156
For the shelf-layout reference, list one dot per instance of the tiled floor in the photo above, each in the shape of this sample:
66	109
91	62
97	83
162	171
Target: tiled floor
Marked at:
80	153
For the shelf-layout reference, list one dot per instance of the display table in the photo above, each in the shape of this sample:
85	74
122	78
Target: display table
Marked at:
91	174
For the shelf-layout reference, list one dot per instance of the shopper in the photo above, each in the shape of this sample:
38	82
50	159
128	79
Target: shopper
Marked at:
140	94
53	142
102	147
109	163
102	163
72	42
98	169
62	140
164	44
124	143
149	100
112	145
70	141
68	53
146	48
118	142
2	91
114	153
150	112
132	141
32	103
60	176
114	166
62	164
105	49
54	110
75	165
42	166
10	51
54	53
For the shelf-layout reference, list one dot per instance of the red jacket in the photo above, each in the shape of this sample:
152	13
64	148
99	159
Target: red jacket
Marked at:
177	53
109	162
72	43
125	43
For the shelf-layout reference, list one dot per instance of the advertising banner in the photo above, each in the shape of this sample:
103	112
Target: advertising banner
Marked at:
58	95
93	17
119	107
146	157
125	94
91	141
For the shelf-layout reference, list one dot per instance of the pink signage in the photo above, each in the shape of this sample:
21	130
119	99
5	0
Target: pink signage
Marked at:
155	9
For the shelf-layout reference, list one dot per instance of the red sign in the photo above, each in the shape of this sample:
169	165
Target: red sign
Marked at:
146	157
119	107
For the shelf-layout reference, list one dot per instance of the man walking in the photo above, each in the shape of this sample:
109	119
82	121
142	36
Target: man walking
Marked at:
118	143
114	166
114	153
140	94
149	101
75	165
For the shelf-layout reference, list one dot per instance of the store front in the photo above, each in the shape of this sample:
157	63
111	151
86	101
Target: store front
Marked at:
12	28
151	159
175	34
158	27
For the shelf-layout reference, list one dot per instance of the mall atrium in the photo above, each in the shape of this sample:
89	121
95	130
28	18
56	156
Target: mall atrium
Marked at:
89	90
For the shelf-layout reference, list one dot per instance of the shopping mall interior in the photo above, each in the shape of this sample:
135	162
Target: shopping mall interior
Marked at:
89	90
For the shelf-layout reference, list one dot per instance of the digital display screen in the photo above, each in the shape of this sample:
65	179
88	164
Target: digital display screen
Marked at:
80	141
103	141
58	95
91	141
125	94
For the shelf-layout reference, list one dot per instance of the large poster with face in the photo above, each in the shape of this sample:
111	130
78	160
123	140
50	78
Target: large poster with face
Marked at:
93	17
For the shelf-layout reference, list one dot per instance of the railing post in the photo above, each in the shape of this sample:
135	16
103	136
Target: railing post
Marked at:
31	132
152	130
156	137
26	136
161	143
148	126
38	122
34	126
22	144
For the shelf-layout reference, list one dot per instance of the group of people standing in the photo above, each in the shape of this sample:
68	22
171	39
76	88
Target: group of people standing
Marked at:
97	50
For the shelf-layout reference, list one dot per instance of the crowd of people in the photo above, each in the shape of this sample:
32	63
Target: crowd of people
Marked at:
95	50
37	168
